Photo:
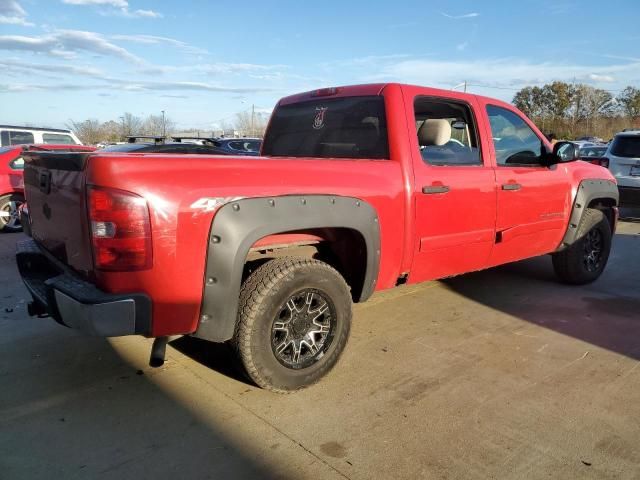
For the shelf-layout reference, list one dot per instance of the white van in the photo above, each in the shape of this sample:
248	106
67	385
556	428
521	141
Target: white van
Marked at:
12	135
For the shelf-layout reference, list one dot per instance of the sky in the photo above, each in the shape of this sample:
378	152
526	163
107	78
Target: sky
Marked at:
204	61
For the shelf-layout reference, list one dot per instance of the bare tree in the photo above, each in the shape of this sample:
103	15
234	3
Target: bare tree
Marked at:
111	131
157	125
131	124
88	131
251	124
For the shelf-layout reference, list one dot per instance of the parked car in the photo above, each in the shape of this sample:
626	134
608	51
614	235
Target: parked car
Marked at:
15	135
229	146
591	139
623	155
359	189
12	184
584	144
595	155
188	145
171	147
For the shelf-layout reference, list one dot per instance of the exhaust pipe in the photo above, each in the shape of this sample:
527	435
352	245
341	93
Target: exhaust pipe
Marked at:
158	351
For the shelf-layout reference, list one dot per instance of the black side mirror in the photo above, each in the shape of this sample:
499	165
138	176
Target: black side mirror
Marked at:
565	152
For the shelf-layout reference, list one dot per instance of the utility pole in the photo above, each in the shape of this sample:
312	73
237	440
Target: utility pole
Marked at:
465	86
123	131
164	125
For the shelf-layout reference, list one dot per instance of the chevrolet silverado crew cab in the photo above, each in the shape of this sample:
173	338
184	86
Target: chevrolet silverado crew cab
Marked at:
357	189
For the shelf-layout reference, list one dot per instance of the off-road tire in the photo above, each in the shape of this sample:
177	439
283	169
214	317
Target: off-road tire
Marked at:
263	297
571	265
8	225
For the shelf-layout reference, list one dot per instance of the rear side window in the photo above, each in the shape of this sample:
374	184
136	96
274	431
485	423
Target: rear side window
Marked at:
245	146
59	138
351	127
446	132
626	146
12	137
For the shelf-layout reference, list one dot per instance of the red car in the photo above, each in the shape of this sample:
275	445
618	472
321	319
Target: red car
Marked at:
357	189
11	184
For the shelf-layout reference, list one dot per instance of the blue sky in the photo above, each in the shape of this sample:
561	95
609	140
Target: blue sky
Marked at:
202	62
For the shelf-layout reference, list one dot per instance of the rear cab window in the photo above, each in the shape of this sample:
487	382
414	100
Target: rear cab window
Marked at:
58	138
626	146
346	127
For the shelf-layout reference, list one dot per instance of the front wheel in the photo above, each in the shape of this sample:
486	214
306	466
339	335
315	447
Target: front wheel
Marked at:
293	323
10	213
584	261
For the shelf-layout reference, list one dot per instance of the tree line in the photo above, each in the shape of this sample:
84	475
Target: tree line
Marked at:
92	131
572	110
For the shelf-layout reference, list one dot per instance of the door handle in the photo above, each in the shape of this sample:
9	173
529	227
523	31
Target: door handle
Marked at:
511	186
435	189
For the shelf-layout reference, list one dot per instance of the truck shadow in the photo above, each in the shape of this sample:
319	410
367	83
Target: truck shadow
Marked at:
604	313
73	407
216	356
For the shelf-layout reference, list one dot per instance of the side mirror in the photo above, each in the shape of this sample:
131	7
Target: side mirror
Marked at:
565	152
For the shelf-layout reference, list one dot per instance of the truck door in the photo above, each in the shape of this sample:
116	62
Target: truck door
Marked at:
533	199
454	188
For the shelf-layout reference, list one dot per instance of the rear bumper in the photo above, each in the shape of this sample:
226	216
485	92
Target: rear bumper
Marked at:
629	196
76	303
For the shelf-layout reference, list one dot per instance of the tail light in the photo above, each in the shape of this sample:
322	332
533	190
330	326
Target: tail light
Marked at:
120	230
603	161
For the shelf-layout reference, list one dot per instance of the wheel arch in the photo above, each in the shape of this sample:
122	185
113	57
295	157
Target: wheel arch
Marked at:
239	225
595	193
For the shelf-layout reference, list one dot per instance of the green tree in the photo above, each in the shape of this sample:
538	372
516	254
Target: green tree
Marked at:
629	99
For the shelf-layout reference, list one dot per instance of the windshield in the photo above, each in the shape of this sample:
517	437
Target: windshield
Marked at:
350	127
626	146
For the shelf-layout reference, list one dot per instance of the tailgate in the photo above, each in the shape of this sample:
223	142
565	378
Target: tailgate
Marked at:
55	192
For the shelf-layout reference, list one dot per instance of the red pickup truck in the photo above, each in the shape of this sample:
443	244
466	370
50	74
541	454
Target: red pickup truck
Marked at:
357	189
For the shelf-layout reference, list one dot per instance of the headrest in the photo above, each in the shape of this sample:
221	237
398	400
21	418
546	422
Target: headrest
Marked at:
434	131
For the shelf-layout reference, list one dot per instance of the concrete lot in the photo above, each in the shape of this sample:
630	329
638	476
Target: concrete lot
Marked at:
498	374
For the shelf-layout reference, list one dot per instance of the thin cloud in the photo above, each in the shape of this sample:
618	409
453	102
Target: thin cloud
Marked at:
12	13
29	67
125	12
460	17
117	7
509	74
132	86
462	46
67	43
158	40
102	3
601	78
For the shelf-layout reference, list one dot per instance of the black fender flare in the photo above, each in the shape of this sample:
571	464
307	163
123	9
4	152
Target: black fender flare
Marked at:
588	190
239	224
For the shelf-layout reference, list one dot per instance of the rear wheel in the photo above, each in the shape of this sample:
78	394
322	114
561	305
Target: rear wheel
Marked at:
584	261
293	323
10	213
